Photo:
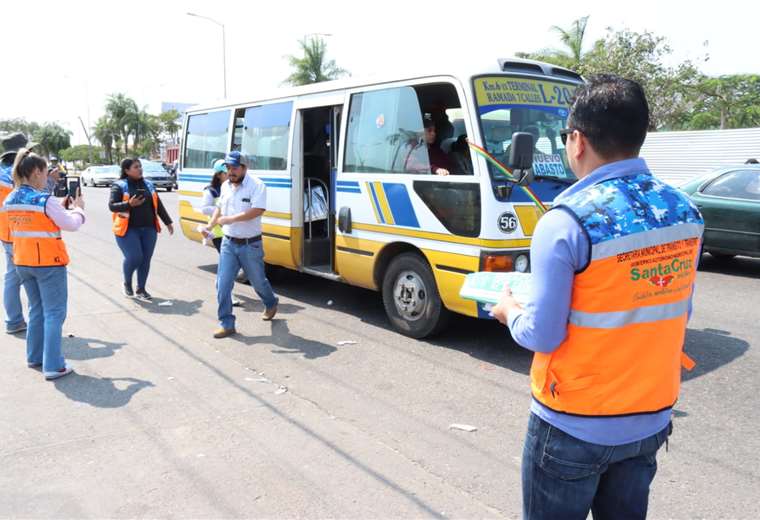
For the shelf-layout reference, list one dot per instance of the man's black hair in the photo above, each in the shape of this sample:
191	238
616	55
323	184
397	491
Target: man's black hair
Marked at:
612	112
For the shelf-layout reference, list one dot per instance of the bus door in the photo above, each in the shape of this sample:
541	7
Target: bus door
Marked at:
318	127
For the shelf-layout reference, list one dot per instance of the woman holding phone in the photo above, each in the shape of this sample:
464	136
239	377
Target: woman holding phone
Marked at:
136	212
35	222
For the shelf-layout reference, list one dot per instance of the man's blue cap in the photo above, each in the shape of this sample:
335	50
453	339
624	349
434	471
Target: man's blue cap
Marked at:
219	166
235	158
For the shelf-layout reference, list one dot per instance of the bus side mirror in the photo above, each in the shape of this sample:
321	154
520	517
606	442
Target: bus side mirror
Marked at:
521	157
344	219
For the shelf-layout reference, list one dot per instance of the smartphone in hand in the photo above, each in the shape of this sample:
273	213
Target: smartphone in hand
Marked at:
140	192
74	187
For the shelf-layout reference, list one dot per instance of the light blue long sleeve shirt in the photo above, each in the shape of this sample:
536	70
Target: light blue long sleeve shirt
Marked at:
558	250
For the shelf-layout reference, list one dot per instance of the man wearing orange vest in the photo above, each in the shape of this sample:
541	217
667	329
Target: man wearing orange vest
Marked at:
614	264
14	316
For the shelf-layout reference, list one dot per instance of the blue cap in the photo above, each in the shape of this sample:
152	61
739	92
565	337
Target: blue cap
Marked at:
219	166
235	158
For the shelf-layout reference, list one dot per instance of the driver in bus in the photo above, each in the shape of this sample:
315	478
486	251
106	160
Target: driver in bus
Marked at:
435	161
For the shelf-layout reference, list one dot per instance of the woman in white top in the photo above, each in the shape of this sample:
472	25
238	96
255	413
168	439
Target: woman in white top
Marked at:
211	197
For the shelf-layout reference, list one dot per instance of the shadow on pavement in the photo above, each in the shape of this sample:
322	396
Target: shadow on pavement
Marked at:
738	266
251	305
711	349
100	392
89	348
288	343
177	307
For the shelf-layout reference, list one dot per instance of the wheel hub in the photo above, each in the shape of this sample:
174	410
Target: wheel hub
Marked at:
410	295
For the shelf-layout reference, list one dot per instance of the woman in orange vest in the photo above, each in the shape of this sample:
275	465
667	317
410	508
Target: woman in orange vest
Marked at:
36	219
136	211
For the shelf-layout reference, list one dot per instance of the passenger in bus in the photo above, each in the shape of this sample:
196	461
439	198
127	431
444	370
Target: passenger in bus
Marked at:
435	161
460	156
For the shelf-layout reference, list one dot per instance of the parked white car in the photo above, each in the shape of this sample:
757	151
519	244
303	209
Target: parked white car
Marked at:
100	175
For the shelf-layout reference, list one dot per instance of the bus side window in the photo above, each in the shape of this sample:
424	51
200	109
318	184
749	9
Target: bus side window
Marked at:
206	139
264	135
384	129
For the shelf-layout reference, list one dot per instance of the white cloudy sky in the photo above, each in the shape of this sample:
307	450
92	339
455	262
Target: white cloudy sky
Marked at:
63	58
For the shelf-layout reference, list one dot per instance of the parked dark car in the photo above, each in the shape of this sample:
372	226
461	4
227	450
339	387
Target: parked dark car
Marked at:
157	174
729	200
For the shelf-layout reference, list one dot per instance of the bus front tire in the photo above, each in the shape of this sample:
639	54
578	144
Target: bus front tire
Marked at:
411	299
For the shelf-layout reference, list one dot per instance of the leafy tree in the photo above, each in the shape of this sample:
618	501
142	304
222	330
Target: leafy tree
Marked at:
52	138
18	125
572	38
726	102
81	154
312	67
640	57
170	125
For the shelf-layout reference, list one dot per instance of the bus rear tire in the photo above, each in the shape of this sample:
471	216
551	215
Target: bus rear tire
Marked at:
411	299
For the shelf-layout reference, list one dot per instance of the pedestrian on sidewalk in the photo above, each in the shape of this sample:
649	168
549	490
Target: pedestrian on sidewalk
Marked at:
136	210
36	219
242	201
14	314
613	269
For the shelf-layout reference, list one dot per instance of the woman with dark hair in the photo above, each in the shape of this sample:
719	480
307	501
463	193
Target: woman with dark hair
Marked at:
211	197
136	211
35	221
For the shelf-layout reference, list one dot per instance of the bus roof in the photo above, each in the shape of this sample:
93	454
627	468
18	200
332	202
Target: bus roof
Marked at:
517	66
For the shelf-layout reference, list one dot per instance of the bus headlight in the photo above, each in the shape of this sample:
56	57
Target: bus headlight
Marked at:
522	263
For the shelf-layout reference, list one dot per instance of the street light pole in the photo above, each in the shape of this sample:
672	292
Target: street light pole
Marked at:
224	46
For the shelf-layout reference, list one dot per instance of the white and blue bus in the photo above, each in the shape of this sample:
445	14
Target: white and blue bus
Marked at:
351	190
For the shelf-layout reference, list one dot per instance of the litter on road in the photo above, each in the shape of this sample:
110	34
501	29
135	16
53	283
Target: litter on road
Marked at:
463	427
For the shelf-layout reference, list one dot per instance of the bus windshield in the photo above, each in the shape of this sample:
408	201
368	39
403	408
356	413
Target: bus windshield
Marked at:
506	105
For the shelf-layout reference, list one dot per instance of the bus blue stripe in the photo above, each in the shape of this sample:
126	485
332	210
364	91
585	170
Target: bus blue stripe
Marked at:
377	202
401	205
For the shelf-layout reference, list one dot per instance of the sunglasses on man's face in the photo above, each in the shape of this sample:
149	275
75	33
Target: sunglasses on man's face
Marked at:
564	133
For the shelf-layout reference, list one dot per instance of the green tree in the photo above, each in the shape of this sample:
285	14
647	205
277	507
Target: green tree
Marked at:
572	38
726	102
641	57
123	113
18	124
170	125
81	154
52	138
313	66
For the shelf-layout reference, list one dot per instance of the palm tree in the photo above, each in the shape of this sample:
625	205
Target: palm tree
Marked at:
572	38
104	132
312	67
123	112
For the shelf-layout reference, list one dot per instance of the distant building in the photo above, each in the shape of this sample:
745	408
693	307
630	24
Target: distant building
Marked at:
676	157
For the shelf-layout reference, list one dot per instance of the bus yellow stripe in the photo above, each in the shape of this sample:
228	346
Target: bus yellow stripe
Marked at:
482	242
372	201
190	193
275	214
384	206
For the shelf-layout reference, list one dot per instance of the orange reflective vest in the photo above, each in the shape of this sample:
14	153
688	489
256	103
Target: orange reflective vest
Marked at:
6	186
624	346
36	238
121	219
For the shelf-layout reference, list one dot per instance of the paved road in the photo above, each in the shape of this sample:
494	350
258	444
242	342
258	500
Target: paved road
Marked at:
281	421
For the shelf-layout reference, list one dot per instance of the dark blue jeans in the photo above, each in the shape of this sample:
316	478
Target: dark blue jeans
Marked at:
564	477
137	246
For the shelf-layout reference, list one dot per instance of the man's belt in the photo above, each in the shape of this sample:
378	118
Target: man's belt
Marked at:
243	241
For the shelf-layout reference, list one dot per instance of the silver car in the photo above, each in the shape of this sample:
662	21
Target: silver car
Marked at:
100	175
